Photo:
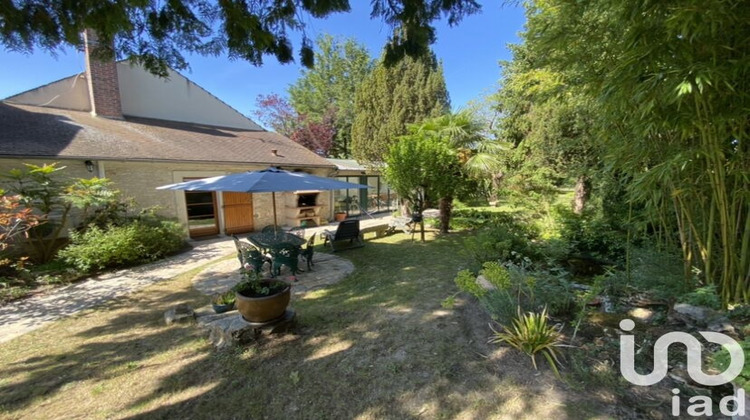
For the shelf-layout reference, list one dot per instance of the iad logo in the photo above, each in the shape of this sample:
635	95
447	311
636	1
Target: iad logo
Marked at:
694	349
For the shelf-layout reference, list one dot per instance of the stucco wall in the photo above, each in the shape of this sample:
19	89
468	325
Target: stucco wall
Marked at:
174	99
69	93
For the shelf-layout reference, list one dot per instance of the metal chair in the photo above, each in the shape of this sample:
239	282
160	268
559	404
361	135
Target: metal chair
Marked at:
297	231
249	254
308	251
285	254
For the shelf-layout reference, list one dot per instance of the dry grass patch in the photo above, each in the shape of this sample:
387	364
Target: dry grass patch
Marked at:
376	345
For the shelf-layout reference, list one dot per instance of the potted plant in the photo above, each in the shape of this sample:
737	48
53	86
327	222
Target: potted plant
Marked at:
261	300
342	209
223	302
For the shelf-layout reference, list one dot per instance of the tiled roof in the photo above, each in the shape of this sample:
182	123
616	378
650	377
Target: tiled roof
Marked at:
31	131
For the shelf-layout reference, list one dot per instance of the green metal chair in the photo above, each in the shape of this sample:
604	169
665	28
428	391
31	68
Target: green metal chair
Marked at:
249	254
285	254
297	231
308	251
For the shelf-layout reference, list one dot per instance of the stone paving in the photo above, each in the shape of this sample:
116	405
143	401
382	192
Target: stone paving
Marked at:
20	317
328	269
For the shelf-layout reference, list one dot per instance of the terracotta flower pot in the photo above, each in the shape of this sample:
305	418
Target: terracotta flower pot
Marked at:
259	309
340	216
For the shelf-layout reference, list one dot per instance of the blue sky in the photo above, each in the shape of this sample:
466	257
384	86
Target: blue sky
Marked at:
470	53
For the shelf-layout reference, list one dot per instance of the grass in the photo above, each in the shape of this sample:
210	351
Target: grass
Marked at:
376	345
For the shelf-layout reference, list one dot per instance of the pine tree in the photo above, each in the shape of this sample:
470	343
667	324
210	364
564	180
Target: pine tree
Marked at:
392	97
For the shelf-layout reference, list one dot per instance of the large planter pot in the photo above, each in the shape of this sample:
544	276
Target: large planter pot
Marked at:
339	216
260	309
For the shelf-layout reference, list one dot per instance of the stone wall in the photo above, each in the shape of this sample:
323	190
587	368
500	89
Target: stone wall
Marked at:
140	179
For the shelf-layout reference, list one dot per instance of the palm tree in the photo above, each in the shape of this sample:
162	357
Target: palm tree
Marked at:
475	150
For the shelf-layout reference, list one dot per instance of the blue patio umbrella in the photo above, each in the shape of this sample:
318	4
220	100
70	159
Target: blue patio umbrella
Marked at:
271	180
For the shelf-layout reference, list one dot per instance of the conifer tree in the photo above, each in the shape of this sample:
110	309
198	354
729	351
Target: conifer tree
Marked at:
392	97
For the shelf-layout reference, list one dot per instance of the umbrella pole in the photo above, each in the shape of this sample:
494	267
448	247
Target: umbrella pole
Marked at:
273	199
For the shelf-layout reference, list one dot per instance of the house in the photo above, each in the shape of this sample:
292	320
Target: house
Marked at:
120	122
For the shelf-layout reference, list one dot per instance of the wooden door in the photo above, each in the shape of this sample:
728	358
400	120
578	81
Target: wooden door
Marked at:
238	212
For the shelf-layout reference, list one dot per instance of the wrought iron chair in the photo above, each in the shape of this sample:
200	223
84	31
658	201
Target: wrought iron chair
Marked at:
297	231
285	254
308	251
249	254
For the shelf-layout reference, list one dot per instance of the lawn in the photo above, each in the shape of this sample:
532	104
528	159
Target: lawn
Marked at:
376	345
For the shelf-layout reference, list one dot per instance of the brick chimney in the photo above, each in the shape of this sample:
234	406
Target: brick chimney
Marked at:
104	87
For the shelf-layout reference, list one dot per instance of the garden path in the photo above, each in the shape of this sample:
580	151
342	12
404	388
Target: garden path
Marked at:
23	316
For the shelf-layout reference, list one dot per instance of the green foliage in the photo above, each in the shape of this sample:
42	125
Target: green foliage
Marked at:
226	298
532	334
503	238
392	97
42	190
253	285
513	286
660	273
703	296
340	67
467	282
721	359
116	246
592	235
671	90
420	165
157	34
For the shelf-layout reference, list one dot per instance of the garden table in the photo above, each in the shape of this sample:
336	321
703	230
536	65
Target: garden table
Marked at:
269	240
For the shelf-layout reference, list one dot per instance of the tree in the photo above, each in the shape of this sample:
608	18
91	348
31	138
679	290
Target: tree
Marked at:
393	97
315	135
330	87
476	155
551	126
421	165
670	84
50	199
155	33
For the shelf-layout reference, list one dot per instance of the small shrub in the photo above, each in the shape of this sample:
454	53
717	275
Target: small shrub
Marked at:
741	312
138	242
505	241
591	235
516	287
703	296
467	282
660	274
531	334
721	359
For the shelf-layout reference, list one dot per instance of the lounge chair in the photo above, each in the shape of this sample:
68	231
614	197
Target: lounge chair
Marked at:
348	230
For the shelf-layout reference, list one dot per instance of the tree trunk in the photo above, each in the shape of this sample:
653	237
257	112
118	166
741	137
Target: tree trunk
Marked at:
582	193
446	205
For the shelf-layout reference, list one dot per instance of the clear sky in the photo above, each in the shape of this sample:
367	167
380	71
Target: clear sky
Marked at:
470	53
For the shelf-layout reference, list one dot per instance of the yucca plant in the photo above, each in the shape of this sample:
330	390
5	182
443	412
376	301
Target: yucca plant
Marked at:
531	334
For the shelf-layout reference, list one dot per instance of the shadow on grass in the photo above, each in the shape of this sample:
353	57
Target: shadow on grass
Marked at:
376	345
